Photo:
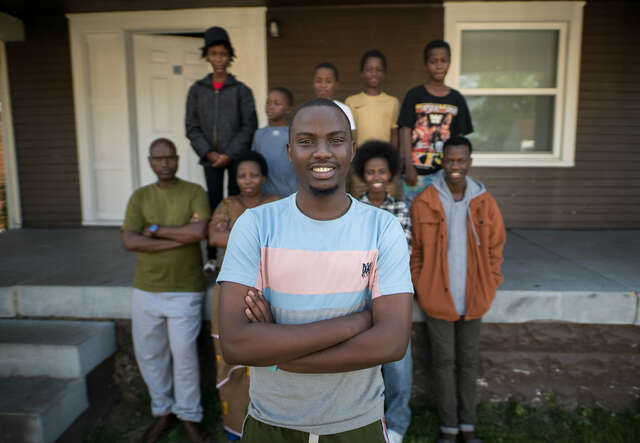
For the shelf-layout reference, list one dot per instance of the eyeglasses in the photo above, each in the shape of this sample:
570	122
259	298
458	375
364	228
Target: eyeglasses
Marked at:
166	157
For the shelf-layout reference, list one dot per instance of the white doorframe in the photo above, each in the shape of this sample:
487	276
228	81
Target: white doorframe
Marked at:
103	86
11	29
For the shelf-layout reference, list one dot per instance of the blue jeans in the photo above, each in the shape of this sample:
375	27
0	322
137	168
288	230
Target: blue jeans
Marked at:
411	192
398	378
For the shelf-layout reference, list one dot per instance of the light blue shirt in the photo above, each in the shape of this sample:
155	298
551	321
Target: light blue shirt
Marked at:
271	142
311	270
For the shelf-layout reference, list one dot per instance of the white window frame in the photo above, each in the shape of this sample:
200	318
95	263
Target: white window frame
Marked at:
564	17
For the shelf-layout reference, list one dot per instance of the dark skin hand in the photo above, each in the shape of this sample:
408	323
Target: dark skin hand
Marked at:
410	174
166	237
335	359
217	160
135	241
394	137
219	234
192	232
278	343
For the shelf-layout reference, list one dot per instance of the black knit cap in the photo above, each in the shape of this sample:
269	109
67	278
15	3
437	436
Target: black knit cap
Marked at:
215	34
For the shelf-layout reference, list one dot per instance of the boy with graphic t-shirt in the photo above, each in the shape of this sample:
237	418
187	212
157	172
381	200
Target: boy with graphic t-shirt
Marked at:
429	116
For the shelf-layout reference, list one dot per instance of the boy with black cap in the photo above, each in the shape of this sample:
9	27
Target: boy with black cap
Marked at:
220	119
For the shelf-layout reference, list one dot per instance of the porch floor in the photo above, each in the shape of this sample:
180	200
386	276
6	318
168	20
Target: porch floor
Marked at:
535	260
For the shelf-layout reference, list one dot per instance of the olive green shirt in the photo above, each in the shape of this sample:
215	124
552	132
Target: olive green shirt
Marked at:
173	270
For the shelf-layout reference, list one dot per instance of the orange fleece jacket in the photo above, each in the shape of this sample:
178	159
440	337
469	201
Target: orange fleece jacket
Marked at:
429	262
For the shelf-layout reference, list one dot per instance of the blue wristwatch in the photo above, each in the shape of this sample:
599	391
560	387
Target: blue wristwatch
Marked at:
153	229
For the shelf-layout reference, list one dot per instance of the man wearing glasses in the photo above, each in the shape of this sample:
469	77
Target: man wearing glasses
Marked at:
164	223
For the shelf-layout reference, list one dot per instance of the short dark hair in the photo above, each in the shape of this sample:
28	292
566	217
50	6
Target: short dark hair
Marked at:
376	149
284	91
318	102
226	44
373	53
163	141
250	156
435	44
458	140
327	65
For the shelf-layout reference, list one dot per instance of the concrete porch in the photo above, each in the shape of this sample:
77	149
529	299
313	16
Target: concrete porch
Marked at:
565	321
574	276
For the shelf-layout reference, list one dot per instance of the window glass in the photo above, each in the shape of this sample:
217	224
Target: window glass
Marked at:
512	123
509	59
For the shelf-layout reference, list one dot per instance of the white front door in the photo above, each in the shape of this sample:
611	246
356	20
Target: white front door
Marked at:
112	136
165	67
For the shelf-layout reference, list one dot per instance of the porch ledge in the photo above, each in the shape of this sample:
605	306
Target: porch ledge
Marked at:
510	306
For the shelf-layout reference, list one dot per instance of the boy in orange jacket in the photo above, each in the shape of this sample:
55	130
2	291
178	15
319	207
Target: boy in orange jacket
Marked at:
458	238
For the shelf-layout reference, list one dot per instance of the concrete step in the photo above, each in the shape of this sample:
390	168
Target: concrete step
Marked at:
38	410
53	348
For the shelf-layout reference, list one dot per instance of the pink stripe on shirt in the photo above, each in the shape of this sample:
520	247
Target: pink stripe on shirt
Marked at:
294	271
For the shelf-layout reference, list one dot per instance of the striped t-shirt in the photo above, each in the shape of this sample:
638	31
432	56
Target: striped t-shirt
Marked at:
311	270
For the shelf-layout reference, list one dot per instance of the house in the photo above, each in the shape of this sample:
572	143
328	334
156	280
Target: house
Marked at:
555	135
552	85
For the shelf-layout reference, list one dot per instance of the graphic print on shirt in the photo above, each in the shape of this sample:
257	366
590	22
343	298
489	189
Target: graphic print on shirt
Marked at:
431	130
366	269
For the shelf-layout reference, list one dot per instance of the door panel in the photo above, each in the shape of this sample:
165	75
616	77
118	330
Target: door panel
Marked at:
165	67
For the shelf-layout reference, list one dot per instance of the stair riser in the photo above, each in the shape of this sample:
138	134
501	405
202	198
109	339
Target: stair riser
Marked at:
46	424
23	360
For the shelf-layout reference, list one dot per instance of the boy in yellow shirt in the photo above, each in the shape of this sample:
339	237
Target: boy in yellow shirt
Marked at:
375	113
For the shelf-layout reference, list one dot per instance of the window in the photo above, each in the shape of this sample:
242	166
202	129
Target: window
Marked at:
517	64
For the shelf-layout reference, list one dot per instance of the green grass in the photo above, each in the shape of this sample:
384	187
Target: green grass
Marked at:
508	422
512	422
129	420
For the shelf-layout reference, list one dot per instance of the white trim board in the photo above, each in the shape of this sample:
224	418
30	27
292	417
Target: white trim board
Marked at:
14	210
11	28
566	16
103	91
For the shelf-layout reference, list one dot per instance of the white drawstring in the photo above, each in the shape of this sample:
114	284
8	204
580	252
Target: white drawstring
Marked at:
473	227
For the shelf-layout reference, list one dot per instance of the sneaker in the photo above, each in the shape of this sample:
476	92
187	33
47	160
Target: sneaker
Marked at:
470	437
447	438
394	437
210	268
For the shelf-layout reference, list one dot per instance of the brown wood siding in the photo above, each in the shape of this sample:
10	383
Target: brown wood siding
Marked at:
44	124
601	191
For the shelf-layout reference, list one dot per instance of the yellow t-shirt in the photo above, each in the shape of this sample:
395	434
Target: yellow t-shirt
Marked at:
375	115
173	270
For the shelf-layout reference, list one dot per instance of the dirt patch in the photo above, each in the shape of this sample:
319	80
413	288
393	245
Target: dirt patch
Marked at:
579	364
